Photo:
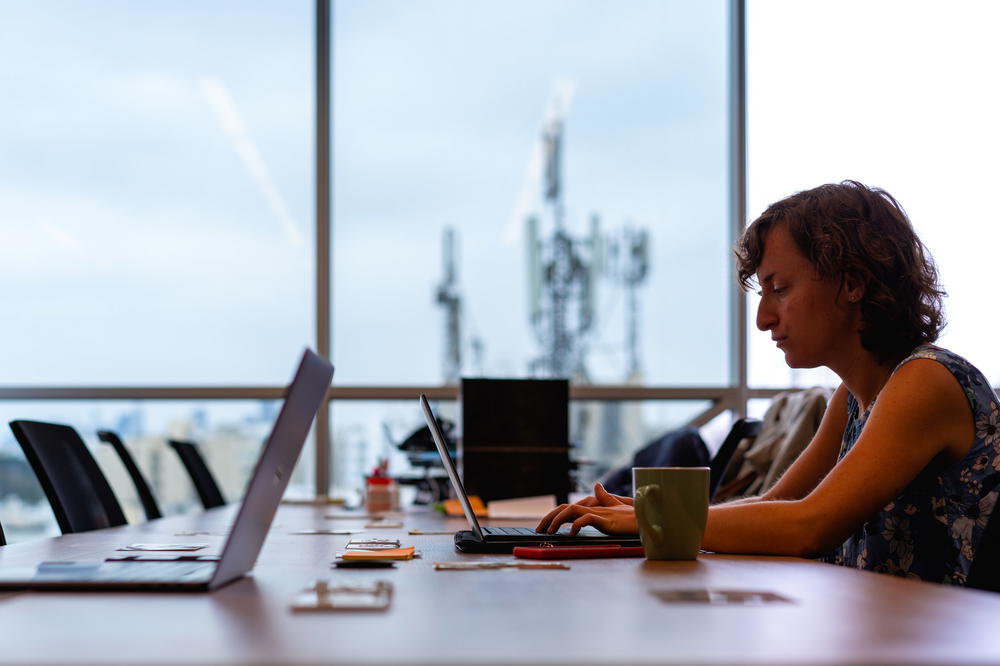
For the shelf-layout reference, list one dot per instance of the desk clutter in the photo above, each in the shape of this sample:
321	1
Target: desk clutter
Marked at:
377	549
327	532
321	596
472	566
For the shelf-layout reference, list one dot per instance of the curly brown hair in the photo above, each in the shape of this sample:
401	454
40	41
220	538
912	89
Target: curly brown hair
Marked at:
849	229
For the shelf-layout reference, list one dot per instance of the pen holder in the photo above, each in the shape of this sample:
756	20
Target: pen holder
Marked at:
381	494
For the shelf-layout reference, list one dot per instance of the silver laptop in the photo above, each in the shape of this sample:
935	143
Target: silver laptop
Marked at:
260	502
503	539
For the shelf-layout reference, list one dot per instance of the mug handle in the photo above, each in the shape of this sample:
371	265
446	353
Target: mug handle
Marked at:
647	502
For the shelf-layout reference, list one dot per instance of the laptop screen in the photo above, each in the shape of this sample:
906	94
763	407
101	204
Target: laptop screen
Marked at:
449	466
274	467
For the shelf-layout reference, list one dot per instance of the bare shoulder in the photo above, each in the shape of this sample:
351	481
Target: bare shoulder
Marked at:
923	395
926	383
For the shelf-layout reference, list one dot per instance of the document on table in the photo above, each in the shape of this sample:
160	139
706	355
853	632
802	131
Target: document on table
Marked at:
521	508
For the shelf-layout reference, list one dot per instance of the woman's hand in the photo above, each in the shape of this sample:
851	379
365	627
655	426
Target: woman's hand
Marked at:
612	514
602	497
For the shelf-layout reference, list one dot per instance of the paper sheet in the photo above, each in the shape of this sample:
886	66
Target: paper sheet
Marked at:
521	508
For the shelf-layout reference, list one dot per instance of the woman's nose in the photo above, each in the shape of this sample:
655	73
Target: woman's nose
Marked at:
765	315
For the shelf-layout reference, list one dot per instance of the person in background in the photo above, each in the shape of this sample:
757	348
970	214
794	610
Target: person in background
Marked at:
902	475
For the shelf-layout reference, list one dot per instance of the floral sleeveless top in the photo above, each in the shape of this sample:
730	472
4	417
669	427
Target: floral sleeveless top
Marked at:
932	529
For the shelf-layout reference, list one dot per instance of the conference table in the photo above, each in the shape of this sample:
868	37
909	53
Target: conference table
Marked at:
601	611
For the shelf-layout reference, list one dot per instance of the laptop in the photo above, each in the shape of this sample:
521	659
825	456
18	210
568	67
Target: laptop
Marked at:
246	537
481	539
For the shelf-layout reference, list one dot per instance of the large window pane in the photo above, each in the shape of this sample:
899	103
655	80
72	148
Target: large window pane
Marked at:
440	108
155	191
899	95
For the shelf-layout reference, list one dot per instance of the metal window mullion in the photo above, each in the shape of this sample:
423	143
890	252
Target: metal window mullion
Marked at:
738	196
323	234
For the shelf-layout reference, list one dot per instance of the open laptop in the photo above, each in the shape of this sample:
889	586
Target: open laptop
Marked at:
246	537
503	539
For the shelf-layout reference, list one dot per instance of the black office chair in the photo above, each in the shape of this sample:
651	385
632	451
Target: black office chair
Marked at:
204	482
149	504
80	496
742	429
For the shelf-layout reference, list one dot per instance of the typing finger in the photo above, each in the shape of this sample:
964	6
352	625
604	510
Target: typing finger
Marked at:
587	519
546	520
564	514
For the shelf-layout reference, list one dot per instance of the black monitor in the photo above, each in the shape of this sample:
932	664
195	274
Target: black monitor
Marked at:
515	438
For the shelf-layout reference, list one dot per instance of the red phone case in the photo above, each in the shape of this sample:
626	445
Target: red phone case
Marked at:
576	552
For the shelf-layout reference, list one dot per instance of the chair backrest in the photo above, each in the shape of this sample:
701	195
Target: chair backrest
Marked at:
80	496
681	447
149	504
744	428
201	476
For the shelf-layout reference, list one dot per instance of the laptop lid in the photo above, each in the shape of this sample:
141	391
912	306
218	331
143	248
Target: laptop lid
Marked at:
449	466
274	468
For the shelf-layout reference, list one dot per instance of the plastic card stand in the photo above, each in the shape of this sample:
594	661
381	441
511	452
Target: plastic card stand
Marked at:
322	597
719	597
372	544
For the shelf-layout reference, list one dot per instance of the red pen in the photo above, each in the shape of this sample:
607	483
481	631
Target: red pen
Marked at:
577	552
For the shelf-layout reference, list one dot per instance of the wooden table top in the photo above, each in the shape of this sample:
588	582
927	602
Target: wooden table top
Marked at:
606	611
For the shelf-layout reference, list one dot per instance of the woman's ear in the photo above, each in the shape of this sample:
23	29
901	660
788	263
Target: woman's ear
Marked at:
854	289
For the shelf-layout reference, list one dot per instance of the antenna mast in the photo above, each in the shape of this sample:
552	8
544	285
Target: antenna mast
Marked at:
450	298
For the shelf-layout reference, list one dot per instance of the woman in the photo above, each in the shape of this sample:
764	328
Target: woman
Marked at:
902	474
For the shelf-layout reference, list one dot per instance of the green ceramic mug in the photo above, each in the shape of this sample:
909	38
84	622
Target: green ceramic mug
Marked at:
671	507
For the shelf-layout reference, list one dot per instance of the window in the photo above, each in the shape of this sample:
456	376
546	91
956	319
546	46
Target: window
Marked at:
533	191
229	434
156	188
156	176
440	112
897	95
156	227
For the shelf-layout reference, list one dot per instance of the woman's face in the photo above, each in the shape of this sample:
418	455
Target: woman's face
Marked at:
810	318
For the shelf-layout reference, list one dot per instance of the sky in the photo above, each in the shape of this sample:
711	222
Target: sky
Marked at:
899	95
138	242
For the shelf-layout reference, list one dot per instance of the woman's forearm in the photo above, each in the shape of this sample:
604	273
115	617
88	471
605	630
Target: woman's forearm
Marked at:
754	525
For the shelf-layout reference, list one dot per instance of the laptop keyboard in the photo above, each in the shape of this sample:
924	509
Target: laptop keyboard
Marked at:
123	571
154	571
512	531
